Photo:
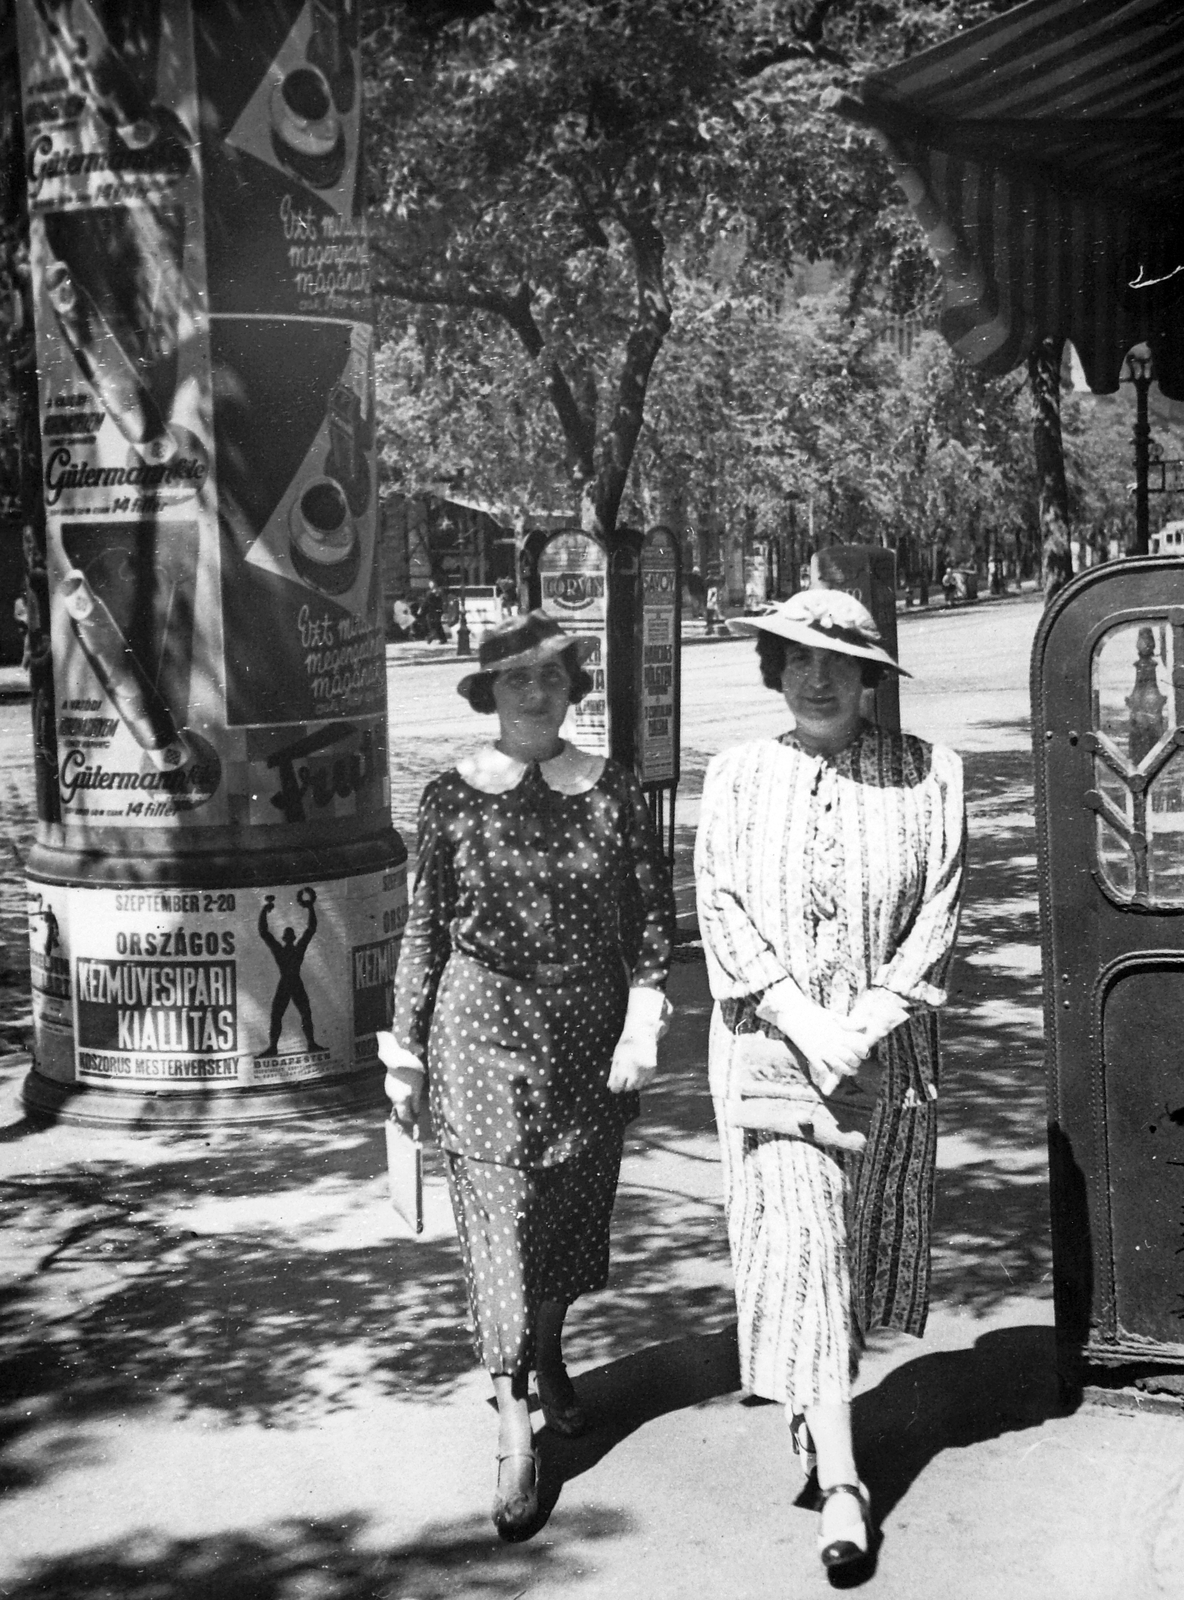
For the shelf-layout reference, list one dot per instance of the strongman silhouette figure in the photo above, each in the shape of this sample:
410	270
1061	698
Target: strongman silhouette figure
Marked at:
289	955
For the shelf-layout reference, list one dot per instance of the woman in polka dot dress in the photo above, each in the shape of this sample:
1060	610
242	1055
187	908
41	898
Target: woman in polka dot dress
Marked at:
530	986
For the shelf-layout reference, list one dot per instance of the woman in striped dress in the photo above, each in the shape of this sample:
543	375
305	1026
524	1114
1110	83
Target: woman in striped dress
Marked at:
829	868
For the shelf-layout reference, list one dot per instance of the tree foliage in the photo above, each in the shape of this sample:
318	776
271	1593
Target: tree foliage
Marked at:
534	167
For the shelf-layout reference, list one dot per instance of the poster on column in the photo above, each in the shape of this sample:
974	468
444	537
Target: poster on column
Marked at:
189	989
573	583
657	757
292	353
117	265
50	979
207	412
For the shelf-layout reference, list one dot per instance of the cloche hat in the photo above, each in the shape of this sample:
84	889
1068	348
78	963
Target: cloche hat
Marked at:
827	619
522	642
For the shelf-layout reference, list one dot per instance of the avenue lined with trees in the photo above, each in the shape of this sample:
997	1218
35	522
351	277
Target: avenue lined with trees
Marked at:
631	268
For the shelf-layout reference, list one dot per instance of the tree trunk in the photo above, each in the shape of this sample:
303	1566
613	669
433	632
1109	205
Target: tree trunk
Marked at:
602	497
1044	375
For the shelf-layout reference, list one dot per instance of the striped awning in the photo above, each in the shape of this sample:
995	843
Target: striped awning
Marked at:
1043	154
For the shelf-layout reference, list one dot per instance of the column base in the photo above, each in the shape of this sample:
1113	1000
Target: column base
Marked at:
47	1100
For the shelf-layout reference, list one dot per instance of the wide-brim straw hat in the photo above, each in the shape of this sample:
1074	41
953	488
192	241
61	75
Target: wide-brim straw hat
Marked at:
824	619
523	642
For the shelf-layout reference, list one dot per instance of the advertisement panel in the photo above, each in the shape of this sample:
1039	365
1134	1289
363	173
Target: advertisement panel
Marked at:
573	585
205	360
657	741
187	989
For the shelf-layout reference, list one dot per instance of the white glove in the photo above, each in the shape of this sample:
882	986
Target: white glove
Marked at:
878	1012
635	1059
833	1046
404	1078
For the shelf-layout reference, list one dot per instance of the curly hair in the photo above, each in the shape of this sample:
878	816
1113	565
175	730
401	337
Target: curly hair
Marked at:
480	695
770	649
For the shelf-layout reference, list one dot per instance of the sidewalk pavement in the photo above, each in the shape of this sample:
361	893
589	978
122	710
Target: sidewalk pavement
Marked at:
231	1374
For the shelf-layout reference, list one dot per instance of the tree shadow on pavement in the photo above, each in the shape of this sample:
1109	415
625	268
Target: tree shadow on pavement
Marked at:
269	1317
624	1395
251	1272
991	1224
950	1400
327	1560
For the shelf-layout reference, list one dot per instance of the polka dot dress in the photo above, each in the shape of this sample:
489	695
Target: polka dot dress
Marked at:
532	912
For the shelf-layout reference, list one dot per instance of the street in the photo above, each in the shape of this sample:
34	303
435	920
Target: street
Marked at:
229	1372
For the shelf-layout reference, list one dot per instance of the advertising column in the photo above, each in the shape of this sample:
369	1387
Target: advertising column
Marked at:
216	892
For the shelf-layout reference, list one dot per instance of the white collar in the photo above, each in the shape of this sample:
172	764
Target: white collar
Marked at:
572	771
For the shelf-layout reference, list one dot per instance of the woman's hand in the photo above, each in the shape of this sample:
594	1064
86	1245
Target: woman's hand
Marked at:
404	1090
634	1064
833	1046
878	1012
635	1060
404	1078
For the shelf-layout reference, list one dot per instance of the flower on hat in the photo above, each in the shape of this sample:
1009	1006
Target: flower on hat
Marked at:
833	609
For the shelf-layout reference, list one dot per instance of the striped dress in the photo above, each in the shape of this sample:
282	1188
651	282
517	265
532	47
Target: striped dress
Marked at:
839	872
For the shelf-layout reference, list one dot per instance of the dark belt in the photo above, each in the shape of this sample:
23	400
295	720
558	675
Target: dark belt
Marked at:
542	974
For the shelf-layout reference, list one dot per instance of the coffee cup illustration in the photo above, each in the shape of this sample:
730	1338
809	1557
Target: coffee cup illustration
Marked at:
323	537
306	132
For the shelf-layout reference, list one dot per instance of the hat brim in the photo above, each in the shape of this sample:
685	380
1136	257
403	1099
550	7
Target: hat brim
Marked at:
583	645
815	638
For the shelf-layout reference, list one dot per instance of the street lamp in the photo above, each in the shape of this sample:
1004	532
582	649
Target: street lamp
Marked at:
463	647
1137	370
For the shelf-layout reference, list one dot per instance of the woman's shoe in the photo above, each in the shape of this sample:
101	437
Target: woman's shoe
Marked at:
516	1514
802	1443
562	1411
846	1552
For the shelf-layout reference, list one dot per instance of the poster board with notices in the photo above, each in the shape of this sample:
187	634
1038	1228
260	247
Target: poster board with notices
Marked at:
573	590
658	675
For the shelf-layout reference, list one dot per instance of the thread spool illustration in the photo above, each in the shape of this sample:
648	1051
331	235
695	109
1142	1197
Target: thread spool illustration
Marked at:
116	666
113	90
323	538
306	132
106	366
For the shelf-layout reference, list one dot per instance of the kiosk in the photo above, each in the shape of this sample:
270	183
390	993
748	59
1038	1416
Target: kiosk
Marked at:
1108	734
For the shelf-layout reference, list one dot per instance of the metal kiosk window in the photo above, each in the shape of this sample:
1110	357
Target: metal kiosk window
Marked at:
1137	744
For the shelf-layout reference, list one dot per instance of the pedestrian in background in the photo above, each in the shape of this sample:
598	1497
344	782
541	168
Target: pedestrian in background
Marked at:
530	990
431	614
507	598
829	870
20	612
711	606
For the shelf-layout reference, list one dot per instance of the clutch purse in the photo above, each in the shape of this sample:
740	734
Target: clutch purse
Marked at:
404	1164
772	1093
